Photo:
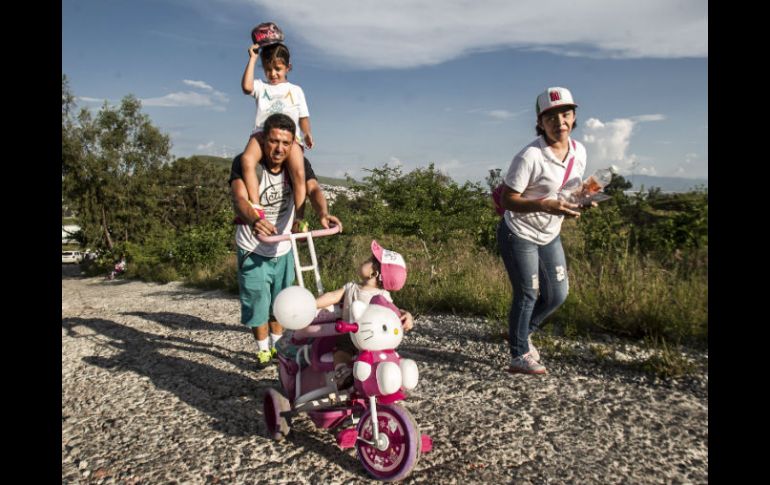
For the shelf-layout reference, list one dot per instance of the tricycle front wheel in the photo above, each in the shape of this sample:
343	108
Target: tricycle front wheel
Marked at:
403	437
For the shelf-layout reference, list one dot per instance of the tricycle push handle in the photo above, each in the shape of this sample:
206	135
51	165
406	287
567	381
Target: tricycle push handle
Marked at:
300	235
345	327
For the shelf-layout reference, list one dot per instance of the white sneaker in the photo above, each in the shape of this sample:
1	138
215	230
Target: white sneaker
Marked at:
532	350
526	364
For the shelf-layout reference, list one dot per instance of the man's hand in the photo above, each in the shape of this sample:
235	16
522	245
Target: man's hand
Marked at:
264	227
326	219
300	226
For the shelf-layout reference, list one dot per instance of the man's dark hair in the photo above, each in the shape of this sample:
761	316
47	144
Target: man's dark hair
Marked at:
280	121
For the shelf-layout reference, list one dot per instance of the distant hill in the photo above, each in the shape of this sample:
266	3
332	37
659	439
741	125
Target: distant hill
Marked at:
666	184
226	162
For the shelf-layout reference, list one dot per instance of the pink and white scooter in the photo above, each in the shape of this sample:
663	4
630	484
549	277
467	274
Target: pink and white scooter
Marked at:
367	415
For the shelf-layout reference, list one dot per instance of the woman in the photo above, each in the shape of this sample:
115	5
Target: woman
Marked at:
528	234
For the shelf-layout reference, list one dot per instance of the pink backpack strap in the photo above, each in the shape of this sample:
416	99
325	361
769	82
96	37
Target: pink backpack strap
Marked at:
569	165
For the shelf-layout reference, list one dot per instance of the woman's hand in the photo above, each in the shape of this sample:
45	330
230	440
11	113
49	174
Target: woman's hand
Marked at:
560	208
254	50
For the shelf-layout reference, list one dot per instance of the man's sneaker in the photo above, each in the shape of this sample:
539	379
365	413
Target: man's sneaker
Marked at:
526	364
532	350
264	357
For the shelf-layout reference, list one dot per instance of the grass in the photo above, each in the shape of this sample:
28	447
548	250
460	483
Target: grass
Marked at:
635	297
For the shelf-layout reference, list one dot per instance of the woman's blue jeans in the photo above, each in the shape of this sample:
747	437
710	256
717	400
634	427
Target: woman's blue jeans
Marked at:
538	275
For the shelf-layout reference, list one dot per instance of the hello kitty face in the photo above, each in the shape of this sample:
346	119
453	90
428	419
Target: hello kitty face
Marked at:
379	328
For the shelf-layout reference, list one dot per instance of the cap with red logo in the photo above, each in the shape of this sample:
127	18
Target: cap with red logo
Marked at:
266	33
392	267
553	98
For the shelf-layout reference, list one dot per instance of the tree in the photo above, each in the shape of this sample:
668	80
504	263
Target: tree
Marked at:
195	192
110	166
617	185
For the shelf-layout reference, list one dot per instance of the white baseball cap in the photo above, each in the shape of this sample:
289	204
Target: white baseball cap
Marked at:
553	98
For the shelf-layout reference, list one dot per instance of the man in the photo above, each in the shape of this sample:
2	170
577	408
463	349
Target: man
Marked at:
266	269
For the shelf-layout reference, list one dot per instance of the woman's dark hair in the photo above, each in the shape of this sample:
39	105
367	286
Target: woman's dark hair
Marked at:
274	52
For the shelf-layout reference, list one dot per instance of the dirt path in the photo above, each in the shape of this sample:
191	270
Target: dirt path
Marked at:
159	385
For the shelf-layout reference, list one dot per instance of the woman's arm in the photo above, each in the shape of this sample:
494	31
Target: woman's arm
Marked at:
514	202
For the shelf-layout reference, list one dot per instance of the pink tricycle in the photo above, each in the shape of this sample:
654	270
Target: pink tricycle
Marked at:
367	415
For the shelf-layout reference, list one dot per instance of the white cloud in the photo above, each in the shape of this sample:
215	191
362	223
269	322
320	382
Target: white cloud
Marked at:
375	34
212	98
215	149
499	114
607	142
641	118
198	84
91	100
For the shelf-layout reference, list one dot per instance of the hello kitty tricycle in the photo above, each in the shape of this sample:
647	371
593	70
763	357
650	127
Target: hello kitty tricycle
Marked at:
367	415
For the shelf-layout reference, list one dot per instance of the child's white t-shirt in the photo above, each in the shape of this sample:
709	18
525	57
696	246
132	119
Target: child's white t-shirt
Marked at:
354	292
286	98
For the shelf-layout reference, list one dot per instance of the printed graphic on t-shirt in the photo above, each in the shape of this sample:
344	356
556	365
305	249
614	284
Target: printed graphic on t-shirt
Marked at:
275	196
276	107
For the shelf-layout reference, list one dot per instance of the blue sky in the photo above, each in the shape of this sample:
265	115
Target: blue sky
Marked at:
451	82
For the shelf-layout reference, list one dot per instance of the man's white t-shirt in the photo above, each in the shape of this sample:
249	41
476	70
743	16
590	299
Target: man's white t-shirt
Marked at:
537	174
286	98
277	199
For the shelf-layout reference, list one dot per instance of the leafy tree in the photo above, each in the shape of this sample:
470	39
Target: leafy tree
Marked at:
424	203
617	185
110	164
195	192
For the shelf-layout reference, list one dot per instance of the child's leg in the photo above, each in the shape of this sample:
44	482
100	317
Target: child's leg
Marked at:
249	160
342	357
297	173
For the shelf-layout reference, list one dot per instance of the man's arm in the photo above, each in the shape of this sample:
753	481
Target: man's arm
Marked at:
318	201
243	209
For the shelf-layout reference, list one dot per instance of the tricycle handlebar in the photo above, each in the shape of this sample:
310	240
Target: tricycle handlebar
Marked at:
334	229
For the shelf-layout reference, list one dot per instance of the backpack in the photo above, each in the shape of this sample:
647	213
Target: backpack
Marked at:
497	193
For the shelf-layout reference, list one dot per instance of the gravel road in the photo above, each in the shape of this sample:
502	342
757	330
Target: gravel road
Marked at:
159	385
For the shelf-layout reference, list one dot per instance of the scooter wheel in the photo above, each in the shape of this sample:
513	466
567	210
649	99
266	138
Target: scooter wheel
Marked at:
274	404
400	457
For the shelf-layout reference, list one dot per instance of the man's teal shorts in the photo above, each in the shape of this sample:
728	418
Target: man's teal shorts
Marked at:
260	279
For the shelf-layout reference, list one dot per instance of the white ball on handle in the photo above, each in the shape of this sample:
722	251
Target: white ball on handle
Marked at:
294	307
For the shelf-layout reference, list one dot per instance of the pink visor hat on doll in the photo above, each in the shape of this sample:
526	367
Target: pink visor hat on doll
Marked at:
392	266
266	33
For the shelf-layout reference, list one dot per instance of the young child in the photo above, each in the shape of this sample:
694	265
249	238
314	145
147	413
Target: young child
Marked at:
274	95
383	272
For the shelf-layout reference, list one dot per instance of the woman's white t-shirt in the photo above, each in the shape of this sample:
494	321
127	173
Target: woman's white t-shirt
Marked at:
537	174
